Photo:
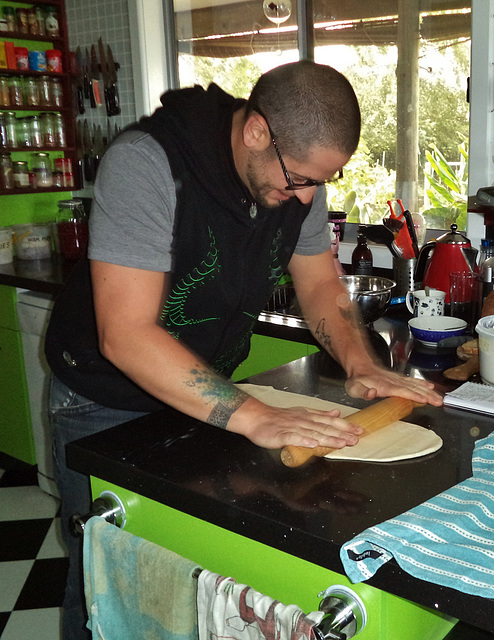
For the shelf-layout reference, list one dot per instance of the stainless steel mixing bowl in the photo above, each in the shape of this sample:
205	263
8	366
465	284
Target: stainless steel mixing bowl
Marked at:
371	293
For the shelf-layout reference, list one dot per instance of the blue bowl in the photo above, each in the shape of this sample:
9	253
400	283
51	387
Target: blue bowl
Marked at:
429	330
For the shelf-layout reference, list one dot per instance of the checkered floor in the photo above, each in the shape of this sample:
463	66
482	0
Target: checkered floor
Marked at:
33	563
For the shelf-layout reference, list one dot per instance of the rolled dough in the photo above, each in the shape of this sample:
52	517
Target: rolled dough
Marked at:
398	441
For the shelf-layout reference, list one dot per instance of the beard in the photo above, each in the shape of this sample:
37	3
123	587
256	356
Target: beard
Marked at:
258	186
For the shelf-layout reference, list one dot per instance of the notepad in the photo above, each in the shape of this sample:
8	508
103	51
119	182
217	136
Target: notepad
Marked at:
472	396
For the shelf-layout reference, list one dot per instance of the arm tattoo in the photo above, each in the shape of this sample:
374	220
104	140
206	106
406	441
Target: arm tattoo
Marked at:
225	396
322	337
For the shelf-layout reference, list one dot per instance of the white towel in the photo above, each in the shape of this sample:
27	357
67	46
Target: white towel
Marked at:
228	610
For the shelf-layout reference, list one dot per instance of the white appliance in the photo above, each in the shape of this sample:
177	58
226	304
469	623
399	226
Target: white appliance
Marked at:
33	311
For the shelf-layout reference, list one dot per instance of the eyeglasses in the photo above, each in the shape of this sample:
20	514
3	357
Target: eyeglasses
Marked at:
295	186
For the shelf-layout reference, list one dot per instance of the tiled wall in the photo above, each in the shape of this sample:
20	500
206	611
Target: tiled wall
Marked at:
87	21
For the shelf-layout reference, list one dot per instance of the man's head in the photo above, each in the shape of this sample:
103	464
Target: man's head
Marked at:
308	104
305	117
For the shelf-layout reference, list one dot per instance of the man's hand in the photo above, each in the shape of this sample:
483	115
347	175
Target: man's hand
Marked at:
273	428
381	383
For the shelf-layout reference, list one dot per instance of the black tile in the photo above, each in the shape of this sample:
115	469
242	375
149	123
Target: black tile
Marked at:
45	585
17	473
22	539
464	631
4	617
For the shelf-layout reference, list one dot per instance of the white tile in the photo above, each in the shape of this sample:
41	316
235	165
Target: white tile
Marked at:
26	503
53	545
12	578
34	624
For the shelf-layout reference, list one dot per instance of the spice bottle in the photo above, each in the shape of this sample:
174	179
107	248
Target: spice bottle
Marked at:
21	174
362	257
6	171
73	229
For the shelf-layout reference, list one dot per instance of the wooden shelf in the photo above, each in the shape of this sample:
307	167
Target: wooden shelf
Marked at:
17	192
36	149
15	35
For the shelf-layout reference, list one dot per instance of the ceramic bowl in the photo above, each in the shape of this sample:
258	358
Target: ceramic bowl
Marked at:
431	330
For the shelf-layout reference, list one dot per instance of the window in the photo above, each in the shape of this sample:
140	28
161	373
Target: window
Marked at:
409	71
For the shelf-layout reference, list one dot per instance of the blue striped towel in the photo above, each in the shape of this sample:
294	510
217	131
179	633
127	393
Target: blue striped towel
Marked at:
448	540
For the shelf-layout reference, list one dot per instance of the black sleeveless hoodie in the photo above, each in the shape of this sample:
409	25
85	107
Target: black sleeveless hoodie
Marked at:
228	254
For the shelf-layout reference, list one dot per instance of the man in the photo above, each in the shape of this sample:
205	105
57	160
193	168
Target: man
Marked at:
198	211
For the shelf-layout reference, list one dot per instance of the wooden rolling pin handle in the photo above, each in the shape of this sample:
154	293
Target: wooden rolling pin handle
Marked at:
371	418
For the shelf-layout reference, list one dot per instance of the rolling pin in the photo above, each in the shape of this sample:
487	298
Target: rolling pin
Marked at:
371	418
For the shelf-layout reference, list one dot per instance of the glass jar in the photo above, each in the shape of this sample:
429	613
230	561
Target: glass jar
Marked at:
32	22
73	229
21	174
60	138
22	21
3	130
55	92
48	129
31	92
11	126
9	15
44	89
4	92
16	92
36	133
23	132
51	22
41	167
6	173
40	19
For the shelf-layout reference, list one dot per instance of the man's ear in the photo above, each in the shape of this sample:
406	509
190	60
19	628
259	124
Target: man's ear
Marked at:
255	133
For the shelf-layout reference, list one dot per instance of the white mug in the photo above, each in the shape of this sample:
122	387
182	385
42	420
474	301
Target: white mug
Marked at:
428	302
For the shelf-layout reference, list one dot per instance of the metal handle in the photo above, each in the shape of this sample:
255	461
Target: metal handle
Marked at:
345	614
107	506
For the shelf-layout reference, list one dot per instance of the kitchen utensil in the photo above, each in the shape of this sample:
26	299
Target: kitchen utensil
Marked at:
79	81
371	418
429	330
87	145
372	294
437	259
425	302
463	371
403	239
88	85
411	231
381	234
393	224
403	275
112	68
106	76
95	76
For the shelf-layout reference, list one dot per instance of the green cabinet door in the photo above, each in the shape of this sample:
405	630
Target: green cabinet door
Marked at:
267	353
16	438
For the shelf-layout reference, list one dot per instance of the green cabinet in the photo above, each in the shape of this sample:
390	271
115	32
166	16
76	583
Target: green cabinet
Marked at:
267	353
16	438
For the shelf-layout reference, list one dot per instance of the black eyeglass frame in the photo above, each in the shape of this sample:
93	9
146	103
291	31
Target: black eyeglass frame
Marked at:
295	186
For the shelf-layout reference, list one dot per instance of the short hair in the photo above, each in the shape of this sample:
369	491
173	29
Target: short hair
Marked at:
306	105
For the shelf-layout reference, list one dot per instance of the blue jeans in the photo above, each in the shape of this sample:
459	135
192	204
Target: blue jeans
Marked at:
72	417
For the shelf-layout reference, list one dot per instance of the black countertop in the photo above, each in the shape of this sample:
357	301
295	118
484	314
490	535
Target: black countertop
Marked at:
310	511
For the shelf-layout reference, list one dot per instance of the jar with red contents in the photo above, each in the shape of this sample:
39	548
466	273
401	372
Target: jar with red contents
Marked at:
73	229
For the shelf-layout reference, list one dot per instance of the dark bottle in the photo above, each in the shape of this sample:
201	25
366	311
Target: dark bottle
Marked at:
362	258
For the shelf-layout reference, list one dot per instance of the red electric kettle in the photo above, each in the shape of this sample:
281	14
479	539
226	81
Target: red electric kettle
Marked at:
438	258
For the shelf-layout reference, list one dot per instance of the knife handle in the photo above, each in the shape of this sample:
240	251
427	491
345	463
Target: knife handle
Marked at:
371	418
92	100
80	99
108	102
97	96
115	101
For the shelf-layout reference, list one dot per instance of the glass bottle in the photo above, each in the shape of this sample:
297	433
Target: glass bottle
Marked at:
48	129
16	92
41	167
73	229
51	22
44	88
362	257
10	125
21	174
31	92
23	132
4	92
56	92
6	173
3	130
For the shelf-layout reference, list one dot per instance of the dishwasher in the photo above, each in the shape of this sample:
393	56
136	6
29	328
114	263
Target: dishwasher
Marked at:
33	310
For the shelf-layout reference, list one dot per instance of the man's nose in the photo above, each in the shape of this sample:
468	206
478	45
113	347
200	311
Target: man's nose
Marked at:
305	196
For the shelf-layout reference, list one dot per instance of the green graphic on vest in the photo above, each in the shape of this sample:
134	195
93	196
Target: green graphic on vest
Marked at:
174	315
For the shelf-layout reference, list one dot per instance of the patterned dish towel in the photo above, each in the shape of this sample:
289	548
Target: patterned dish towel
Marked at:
228	610
448	540
136	589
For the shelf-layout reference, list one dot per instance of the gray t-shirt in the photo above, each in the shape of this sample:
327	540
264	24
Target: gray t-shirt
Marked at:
131	222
